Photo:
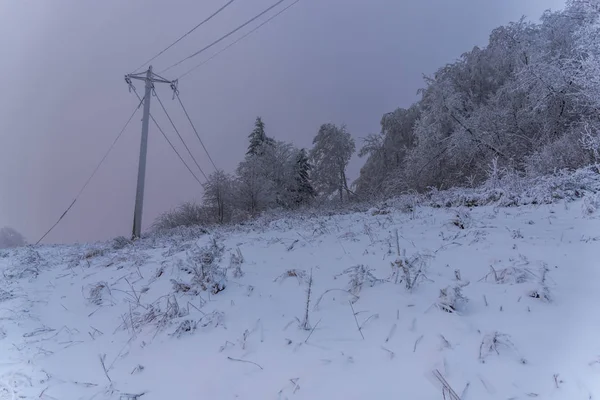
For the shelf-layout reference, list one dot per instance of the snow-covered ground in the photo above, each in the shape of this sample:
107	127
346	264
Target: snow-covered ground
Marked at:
503	304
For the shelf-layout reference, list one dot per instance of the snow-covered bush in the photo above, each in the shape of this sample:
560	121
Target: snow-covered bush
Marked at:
591	204
359	276
508	275
120	242
208	275
410	270
462	218
28	265
299	274
160	314
99	294
235	263
186	327
185	215
492	343
452	300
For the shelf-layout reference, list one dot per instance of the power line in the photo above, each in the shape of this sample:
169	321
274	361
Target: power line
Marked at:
186	34
238	40
93	173
195	131
170	144
178	134
226	35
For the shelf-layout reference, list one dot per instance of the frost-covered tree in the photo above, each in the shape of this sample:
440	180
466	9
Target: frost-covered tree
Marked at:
258	138
9	238
303	190
333	147
277	164
253	190
383	172
218	195
528	100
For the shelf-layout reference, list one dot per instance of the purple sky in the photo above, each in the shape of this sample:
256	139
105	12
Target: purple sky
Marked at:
64	99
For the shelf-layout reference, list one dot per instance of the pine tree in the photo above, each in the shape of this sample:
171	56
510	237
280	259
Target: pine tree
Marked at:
304	191
258	139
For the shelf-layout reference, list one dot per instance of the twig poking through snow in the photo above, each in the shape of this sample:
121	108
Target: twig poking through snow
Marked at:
392	331
557	381
102	358
391	353
417	343
312	330
354	297
374	316
306	323
356	320
446	388
244	361
445	343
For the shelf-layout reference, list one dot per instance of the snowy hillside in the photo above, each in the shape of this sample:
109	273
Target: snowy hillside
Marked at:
502	303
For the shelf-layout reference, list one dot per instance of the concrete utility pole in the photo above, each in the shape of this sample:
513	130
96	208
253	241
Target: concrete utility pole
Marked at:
149	78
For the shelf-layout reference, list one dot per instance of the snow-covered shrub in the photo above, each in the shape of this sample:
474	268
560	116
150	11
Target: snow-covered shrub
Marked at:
185	215
512	189
186	327
120	242
359	276
4	295
541	290
410	270
172	238
212	319
591	204
99	294
508	275
452	300
493	343
406	203
516	234
182	287
235	263
204	262
564	153
299	274
160	314
28	265
462	218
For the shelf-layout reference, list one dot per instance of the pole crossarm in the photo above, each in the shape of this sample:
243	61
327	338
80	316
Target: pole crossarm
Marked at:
143	77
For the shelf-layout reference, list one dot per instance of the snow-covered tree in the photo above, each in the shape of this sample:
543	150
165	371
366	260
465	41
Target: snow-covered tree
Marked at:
303	191
9	238
277	164
218	195
253	190
384	170
528	100
333	147
258	138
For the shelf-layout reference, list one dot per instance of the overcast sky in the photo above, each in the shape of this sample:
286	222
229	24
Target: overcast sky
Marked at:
63	97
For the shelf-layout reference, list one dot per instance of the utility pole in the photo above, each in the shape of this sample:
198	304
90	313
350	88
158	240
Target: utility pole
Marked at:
149	78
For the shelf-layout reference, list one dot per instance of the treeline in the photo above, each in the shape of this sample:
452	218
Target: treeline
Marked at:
527	103
273	174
